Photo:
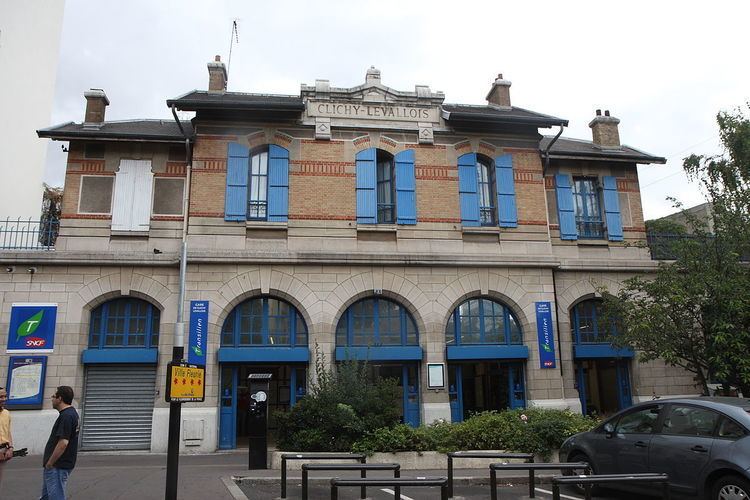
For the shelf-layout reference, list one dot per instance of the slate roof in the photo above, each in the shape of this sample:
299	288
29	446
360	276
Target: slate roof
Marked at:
565	147
484	113
202	99
144	130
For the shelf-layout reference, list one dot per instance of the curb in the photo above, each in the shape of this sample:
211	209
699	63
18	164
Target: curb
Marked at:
460	480
234	490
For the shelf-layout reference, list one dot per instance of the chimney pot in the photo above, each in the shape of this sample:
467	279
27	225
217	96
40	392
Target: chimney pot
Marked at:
372	75
499	94
604	130
217	75
96	104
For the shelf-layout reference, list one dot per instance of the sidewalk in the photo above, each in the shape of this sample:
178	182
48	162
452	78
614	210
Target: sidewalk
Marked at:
143	476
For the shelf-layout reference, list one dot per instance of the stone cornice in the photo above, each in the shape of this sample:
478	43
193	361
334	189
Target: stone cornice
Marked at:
170	259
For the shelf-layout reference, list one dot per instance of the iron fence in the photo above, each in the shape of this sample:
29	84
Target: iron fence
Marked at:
28	234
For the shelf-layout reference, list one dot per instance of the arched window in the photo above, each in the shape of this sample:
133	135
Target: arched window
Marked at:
264	321
386	188
589	323
124	322
482	321
376	322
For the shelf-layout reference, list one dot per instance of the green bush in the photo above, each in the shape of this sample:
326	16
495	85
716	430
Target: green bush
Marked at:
529	430
340	408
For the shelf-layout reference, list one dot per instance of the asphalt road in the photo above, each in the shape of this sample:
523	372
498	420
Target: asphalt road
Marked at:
263	490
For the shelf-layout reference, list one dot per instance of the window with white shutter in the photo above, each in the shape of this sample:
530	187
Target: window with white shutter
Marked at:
133	190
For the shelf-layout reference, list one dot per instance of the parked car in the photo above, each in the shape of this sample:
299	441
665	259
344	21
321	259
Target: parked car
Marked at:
702	443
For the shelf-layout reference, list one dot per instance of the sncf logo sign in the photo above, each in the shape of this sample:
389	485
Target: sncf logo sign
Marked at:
32	327
35	343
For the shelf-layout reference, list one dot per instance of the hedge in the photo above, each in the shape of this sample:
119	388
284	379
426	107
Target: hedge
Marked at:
531	430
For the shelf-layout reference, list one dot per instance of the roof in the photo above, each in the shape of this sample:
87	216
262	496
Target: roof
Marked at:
202	99
577	148
143	130
494	114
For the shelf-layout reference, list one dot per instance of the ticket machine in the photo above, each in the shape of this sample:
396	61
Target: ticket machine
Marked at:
257	420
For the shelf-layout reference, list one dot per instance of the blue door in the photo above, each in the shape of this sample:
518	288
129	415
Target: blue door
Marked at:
455	392
517	387
582	386
623	384
411	394
228	408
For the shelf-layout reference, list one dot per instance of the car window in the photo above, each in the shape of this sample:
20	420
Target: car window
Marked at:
638	422
690	421
730	429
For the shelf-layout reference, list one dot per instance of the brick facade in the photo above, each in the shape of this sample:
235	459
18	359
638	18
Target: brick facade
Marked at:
321	260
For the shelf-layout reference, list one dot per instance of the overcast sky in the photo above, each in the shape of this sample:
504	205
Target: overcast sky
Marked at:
664	68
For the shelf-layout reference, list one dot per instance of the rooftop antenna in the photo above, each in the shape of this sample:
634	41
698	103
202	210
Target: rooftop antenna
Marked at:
234	37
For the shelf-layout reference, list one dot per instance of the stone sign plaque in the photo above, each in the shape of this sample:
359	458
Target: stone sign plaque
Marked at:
372	111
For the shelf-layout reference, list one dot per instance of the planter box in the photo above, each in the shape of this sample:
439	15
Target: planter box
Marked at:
409	460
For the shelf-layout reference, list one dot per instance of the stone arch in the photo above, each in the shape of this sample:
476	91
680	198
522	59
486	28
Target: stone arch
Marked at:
394	287
113	286
265	281
581	290
496	286
116	285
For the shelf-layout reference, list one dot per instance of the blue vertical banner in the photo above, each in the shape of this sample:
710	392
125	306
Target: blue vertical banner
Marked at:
32	328
198	337
546	335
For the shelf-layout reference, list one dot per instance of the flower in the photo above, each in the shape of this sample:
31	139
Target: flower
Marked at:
524	418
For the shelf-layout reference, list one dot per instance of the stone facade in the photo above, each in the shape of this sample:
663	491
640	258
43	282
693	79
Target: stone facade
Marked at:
321	260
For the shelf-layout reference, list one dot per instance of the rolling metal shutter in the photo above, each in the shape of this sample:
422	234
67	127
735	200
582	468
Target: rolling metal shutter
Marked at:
118	403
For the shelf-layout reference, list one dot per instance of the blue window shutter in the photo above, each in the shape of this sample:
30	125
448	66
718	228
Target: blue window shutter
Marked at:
406	185
235	203
467	189
565	210
278	184
367	200
612	209
507	214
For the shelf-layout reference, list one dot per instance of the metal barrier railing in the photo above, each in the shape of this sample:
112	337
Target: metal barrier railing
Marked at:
532	468
28	234
529	457
363	468
360	457
587	481
337	483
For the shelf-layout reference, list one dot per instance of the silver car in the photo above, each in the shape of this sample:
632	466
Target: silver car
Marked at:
702	443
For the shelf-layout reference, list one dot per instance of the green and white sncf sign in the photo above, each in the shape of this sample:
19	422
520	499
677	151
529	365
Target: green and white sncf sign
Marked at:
32	328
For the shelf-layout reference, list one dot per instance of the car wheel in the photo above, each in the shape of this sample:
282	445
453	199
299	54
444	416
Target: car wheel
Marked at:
581	457
731	488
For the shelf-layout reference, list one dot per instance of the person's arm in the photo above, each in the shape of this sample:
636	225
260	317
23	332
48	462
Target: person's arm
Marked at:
9	449
56	453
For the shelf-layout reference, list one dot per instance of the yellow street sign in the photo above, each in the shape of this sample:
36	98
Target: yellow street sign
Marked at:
185	383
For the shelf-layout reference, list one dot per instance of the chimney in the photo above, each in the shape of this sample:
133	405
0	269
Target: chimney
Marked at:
372	75
499	93
217	75
604	130
96	104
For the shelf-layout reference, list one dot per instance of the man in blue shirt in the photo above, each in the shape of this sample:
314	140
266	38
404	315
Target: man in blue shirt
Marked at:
62	447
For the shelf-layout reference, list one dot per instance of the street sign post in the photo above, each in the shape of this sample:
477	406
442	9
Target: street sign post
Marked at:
185	383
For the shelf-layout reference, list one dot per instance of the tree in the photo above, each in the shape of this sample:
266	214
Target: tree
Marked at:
694	312
343	405
49	225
